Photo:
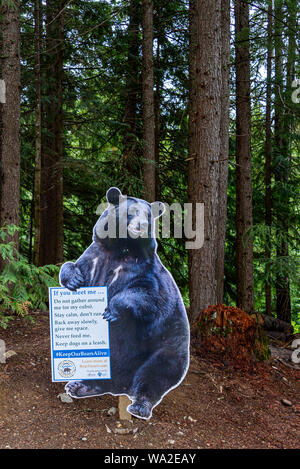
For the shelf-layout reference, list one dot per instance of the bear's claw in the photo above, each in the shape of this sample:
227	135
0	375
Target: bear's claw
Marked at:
142	409
76	281
76	389
110	315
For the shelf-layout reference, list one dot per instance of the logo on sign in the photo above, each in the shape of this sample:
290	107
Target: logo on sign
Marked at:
66	369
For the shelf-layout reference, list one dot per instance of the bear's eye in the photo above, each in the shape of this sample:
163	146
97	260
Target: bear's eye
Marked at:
137	212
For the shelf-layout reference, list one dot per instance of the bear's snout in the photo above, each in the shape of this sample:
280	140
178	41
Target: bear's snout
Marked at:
138	228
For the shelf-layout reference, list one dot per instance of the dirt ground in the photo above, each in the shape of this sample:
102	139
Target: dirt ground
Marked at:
214	407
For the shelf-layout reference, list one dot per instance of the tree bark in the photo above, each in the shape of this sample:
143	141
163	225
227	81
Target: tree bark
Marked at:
268	155
157	120
204	144
10	118
51	244
224	150
148	102
38	130
244	242
130	147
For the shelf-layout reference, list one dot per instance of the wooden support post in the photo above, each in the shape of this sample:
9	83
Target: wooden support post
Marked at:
124	402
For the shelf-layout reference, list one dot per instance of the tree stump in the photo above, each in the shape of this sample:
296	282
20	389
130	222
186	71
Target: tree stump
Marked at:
230	334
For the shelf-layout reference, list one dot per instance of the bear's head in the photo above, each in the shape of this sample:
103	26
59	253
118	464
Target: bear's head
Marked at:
127	222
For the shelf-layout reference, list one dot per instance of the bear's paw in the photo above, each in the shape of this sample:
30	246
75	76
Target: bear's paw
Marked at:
110	314
141	408
76	389
76	281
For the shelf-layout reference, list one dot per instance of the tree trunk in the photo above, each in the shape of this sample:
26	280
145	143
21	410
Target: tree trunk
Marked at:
130	148
10	118
204	144
148	102
268	153
283	301
38	130
224	150
51	244
244	242
157	120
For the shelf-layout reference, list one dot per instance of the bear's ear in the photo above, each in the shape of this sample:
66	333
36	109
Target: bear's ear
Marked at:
113	194
157	209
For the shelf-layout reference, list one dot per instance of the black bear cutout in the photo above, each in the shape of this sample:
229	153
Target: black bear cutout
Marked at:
149	329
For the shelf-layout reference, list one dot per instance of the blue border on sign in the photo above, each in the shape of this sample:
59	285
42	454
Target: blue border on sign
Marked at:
95	352
84	353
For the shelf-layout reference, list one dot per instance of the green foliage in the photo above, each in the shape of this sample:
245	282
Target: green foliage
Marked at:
23	286
9	4
96	70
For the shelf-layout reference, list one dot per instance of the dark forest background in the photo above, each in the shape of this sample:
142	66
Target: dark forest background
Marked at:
168	100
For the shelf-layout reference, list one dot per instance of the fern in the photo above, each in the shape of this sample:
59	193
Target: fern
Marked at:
23	286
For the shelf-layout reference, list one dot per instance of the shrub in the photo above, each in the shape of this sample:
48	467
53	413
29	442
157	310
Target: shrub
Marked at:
23	286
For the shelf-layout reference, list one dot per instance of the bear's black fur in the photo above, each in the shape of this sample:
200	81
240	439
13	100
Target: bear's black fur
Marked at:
149	331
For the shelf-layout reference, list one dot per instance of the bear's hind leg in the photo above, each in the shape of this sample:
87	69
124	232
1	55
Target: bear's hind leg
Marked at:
161	372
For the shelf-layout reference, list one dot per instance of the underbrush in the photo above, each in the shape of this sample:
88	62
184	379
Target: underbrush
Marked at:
23	286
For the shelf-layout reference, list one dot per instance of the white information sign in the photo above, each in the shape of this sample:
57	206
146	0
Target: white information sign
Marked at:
79	334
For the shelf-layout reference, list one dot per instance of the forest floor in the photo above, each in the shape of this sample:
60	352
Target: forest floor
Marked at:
214	407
